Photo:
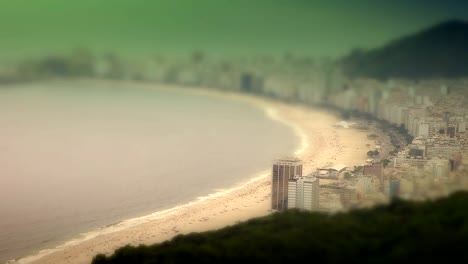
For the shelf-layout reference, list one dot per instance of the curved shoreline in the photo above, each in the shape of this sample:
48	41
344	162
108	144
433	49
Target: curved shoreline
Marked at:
128	223
226	207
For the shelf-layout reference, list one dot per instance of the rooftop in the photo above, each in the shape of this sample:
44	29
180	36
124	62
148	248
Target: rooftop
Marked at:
288	159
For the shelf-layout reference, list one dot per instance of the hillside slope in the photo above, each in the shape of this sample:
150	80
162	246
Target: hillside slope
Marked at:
440	51
401	231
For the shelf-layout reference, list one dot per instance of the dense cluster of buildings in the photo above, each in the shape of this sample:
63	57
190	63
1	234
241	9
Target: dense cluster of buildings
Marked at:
434	114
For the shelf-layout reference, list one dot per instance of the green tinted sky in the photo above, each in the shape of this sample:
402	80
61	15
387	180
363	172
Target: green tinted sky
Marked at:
231	27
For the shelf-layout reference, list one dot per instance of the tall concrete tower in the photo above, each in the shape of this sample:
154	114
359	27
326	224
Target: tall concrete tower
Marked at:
283	170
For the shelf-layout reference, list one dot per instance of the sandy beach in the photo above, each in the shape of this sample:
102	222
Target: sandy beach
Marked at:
322	144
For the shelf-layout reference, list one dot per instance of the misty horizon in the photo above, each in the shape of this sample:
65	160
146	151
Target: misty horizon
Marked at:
218	28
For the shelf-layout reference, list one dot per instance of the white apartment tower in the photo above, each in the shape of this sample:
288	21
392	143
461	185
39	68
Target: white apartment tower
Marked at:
303	193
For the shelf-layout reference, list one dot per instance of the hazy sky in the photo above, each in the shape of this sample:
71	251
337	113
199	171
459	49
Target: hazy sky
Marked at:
231	27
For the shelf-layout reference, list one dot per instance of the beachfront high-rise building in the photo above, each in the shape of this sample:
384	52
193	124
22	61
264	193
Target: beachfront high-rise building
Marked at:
283	170
303	193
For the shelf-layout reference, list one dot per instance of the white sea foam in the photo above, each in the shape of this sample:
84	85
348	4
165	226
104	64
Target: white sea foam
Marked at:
136	221
270	112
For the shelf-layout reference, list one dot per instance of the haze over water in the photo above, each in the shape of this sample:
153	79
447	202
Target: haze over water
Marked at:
74	157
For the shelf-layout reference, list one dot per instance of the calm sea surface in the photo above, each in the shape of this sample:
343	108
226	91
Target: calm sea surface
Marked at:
77	156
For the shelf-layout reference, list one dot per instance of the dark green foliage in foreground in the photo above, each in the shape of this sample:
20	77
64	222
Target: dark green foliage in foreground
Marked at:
433	231
438	52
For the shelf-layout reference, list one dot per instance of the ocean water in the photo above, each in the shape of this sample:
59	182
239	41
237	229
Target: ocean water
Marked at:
78	156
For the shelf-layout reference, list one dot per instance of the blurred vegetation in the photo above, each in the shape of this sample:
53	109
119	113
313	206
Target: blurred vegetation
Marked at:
438	52
429	231
385	162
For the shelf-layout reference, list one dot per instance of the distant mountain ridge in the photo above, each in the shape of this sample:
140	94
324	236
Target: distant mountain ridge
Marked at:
438	52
